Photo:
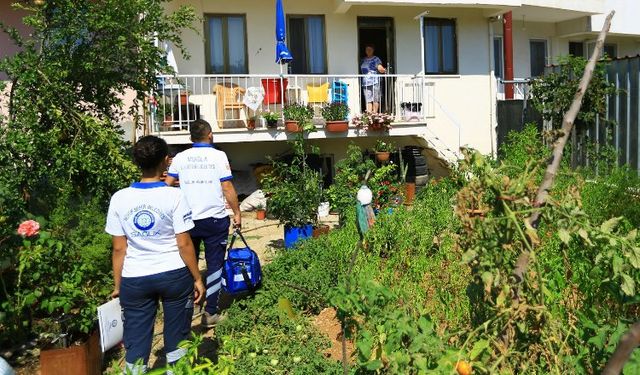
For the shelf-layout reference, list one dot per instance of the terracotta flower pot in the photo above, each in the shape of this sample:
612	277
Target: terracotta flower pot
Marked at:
383	156
183	98
261	214
336	126
77	359
292	126
320	231
251	124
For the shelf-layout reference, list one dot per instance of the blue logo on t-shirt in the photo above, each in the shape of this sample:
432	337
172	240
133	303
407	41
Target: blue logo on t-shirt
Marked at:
144	220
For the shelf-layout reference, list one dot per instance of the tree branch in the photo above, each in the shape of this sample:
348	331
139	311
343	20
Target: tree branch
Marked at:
626	346
568	120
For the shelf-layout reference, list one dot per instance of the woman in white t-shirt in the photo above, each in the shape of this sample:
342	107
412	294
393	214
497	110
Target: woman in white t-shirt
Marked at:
153	258
371	66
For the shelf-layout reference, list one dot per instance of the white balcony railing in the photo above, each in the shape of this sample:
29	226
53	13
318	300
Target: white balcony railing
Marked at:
520	88
229	101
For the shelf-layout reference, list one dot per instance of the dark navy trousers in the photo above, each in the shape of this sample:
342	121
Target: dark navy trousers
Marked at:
214	233
139	298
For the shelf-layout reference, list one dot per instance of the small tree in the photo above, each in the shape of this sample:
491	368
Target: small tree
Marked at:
61	136
553	93
61	149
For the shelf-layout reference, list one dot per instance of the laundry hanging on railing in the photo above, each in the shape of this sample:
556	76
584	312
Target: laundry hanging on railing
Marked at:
253	97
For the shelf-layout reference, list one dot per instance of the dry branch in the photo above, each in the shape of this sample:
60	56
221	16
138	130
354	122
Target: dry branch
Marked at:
558	148
626	346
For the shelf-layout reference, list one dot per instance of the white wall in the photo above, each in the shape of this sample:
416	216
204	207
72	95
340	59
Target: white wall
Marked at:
341	35
625	20
464	101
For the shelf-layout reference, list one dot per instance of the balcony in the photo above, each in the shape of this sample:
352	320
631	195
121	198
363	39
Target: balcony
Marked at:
229	102
520	88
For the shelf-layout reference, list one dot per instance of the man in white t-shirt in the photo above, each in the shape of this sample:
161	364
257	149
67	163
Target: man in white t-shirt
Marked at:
205	178
153	258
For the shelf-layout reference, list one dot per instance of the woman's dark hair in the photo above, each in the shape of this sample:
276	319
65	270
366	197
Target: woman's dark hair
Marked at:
149	152
370	45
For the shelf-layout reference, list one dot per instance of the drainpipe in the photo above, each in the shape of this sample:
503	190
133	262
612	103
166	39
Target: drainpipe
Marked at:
492	82
507	31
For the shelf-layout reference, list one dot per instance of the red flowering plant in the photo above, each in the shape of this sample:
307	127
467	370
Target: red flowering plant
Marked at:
29	228
373	121
386	187
52	277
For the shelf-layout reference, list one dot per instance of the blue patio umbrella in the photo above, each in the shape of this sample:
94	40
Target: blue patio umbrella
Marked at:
282	52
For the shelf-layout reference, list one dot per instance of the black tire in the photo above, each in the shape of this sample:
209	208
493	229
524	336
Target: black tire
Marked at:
420	160
422	180
421	170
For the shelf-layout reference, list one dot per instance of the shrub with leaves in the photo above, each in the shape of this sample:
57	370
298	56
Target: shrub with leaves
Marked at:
294	189
553	93
62	151
350	174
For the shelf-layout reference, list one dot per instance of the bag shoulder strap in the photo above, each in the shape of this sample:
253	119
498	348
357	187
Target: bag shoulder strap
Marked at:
237	233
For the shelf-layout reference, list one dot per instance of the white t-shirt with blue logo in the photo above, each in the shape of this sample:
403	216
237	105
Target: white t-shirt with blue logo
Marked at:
149	214
201	169
369	67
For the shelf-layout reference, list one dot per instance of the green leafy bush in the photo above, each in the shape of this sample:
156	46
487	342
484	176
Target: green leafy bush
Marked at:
350	174
553	93
336	111
294	189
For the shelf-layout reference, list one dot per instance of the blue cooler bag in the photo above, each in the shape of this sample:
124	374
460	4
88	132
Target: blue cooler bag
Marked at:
242	272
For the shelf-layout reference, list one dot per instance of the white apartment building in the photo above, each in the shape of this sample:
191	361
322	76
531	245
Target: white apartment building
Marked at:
448	56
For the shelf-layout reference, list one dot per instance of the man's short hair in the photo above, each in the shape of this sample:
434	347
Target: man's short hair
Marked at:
149	152
199	130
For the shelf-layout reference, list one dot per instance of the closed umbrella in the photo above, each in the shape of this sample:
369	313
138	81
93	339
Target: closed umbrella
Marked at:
282	52
283	55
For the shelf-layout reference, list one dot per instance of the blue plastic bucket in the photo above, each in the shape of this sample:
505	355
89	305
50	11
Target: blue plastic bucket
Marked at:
294	234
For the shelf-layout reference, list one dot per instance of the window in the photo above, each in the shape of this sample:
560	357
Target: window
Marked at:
611	50
576	49
226	44
440	46
498	57
538	56
307	45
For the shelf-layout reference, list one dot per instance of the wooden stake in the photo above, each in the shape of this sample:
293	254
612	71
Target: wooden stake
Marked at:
626	346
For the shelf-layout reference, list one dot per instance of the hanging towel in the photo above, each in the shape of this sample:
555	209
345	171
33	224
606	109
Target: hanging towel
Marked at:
253	97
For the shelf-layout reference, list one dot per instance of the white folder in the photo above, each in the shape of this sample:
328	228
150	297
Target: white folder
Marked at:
110	321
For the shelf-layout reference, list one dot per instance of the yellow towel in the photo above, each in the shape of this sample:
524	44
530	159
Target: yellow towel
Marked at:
318	94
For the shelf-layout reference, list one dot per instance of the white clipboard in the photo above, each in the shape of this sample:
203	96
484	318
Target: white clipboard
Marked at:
110	321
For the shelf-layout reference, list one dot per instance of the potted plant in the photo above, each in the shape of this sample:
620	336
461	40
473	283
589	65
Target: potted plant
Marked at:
261	212
271	118
370	121
293	191
251	123
335	116
297	118
62	309
320	230
383	150
166	111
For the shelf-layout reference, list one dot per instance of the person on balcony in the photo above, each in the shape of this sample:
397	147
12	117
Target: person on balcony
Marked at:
205	179
153	258
371	67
